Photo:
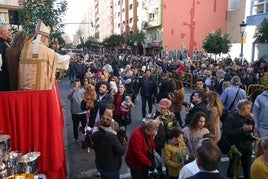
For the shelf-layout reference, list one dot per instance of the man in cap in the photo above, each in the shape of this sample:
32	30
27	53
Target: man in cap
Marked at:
38	63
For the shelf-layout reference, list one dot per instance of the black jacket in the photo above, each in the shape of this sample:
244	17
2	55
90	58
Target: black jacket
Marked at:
199	107
165	87
108	150
152	90
100	105
206	175
4	77
234	133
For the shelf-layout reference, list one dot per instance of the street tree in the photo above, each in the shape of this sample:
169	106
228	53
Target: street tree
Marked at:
217	43
113	41
136	40
261	35
50	12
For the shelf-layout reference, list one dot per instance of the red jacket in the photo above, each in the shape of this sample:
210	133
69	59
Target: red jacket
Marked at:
137	156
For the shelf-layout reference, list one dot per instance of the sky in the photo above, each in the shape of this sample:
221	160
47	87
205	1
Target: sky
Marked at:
75	12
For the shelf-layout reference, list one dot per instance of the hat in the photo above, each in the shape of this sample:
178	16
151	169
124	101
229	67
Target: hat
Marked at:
42	29
164	103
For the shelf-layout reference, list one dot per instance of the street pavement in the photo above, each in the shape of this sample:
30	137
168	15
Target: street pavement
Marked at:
80	162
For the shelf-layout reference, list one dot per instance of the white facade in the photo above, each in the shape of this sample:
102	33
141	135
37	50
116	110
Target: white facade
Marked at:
117	17
105	19
238	11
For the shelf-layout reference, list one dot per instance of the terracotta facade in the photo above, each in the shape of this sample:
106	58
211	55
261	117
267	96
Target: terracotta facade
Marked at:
187	22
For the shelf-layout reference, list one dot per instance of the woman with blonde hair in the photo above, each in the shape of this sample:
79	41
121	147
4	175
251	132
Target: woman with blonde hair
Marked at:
215	108
259	168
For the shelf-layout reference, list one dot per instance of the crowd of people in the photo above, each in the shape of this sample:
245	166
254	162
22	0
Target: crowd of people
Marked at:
218	106
106	86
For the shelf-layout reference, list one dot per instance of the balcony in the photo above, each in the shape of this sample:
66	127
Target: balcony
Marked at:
9	4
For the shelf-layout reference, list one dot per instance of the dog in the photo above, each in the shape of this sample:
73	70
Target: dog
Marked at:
90	96
87	143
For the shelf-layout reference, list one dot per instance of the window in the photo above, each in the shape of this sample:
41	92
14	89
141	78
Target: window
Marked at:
130	6
2	18
130	20
151	16
259	7
118	14
119	25
234	5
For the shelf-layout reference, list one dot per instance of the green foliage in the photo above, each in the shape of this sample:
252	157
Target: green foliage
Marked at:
137	37
113	41
261	35
91	42
49	11
217	43
116	41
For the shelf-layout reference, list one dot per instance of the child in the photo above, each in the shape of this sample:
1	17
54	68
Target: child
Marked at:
125	107
175	153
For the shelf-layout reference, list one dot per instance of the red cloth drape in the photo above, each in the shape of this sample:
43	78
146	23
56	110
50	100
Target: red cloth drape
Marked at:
34	121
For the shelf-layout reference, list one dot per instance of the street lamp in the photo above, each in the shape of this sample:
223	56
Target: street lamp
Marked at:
242	31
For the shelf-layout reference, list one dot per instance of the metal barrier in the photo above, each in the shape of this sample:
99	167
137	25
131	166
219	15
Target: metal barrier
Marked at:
254	90
186	78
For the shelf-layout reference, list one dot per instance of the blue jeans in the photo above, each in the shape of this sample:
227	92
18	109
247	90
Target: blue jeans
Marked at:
143	105
109	174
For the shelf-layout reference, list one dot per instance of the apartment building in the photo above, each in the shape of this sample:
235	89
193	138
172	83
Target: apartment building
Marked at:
186	23
252	12
125	16
5	7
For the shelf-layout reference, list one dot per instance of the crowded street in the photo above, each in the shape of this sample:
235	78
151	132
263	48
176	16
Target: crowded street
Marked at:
80	162
133	89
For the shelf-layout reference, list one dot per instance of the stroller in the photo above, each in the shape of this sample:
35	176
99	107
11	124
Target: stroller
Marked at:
86	143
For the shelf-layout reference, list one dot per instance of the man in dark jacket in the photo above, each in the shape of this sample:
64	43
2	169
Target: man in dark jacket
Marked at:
4	78
148	90
104	99
236	130
199	101
163	87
